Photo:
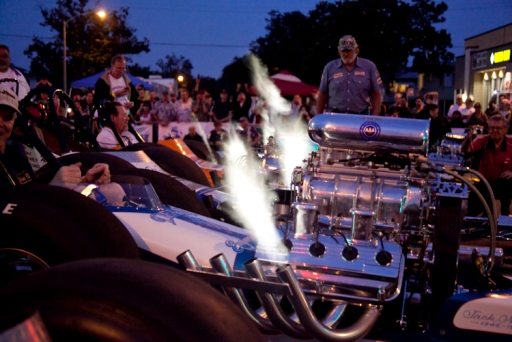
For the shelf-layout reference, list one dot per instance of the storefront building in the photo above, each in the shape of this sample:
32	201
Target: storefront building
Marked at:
485	69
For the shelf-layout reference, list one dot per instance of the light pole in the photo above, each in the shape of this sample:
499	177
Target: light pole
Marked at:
100	14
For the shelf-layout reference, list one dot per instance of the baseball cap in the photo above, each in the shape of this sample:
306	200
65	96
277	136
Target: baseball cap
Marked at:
223	91
9	99
347	43
459	96
243	119
165	92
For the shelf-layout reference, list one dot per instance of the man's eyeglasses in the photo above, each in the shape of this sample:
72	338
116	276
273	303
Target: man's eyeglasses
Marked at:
119	69
492	128
348	42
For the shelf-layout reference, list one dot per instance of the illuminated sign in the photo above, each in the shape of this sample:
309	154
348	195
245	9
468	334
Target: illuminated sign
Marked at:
500	56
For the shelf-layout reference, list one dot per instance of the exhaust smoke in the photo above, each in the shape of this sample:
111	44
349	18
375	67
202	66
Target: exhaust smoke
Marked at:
243	168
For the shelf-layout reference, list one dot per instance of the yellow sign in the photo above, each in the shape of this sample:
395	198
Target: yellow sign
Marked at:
500	56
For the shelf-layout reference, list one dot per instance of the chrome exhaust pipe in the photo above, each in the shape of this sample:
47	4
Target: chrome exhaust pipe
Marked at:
272	306
353	333
332	317
220	264
187	261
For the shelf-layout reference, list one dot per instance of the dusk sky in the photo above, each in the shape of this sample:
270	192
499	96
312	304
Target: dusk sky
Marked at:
211	33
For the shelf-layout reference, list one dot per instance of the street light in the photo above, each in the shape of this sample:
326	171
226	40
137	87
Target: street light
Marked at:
180	78
100	14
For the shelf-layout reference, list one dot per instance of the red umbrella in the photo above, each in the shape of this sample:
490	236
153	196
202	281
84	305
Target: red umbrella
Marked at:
290	84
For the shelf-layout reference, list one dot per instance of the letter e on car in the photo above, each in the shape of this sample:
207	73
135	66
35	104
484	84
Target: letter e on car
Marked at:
9	208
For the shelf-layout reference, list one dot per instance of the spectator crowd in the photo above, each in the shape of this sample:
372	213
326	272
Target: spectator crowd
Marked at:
463	115
124	102
240	106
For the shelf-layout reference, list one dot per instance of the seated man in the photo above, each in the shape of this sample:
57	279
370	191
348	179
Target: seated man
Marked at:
192	135
68	176
218	137
493	155
120	119
249	134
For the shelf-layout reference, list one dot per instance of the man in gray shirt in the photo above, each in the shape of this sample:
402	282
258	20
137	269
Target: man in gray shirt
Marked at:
350	84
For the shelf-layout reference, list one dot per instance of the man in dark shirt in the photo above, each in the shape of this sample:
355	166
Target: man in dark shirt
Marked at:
438	126
218	137
192	135
223	110
241	107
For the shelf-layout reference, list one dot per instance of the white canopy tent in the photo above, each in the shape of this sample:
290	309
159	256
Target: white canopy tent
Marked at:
162	84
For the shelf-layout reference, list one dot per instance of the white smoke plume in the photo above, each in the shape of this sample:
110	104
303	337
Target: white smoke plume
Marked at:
254	197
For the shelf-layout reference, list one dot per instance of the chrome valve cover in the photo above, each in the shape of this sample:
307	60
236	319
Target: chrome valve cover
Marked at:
330	275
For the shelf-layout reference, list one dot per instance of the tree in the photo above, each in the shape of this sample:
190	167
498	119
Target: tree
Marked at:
139	70
91	41
173	66
209	84
236	72
387	31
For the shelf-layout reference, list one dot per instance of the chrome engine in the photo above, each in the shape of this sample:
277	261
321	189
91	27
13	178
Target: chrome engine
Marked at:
355	190
368	220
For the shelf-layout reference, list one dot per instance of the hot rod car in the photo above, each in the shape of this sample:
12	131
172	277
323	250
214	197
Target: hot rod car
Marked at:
369	242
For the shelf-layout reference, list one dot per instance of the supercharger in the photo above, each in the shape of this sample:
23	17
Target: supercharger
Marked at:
357	188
